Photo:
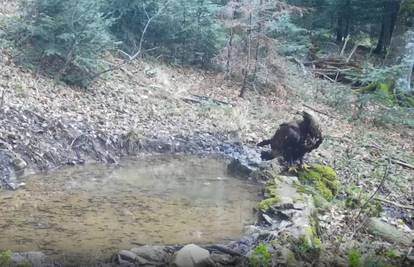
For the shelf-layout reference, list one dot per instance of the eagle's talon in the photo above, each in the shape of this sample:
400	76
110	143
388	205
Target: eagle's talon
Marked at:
293	169
305	167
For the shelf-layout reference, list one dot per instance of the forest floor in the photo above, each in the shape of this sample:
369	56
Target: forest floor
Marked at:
46	125
43	124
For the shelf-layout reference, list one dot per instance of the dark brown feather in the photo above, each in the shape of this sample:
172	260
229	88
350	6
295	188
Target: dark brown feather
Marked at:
293	140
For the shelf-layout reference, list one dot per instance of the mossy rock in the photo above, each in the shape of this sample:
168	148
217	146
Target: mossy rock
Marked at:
323	178
267	203
309	245
270	194
385	88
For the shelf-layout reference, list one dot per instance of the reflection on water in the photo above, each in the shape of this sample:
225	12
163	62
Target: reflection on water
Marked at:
96	209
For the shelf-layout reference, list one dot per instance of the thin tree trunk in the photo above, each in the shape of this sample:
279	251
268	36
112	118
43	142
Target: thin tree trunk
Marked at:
380	44
247	69
339	35
256	58
229	51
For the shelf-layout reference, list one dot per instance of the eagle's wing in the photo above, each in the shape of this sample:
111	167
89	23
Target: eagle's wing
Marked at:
286	137
312	141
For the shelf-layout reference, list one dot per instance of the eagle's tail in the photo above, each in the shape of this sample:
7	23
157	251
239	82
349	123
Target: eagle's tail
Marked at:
264	143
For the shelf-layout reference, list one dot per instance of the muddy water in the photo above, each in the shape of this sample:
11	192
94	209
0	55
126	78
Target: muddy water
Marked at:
94	210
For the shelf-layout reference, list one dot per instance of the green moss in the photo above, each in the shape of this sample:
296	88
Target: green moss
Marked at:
383	89
386	87
267	203
323	179
354	258
367	89
392	254
270	191
320	202
270	194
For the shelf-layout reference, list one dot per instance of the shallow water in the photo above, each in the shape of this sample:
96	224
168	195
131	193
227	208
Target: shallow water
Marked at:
95	209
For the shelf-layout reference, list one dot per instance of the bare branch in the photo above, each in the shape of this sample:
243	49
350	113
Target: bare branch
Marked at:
141	41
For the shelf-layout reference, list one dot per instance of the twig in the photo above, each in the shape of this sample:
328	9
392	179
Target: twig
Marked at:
398	205
318	111
376	190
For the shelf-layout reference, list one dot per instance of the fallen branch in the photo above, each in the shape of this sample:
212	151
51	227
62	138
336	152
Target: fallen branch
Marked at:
398	205
345	44
318	111
325	76
402	163
352	52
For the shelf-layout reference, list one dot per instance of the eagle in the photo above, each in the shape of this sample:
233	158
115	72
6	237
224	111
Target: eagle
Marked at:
293	140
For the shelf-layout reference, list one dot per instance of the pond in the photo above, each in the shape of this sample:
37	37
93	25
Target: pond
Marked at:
97	209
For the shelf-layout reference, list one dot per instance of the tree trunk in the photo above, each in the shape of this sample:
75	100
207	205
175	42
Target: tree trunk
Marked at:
402	48
380	45
339	35
390	14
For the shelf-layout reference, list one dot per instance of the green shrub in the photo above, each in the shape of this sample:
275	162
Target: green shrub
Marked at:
309	246
356	198
5	259
66	38
183	32
293	40
260	257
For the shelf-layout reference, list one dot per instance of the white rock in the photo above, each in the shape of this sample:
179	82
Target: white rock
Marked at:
192	256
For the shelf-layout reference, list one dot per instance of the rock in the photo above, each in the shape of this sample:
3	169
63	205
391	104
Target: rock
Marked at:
151	73
390	233
19	164
155	254
239	168
34	259
221	259
284	256
126	255
192	256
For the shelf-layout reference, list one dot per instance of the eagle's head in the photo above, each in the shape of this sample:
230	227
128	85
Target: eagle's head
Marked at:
307	116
